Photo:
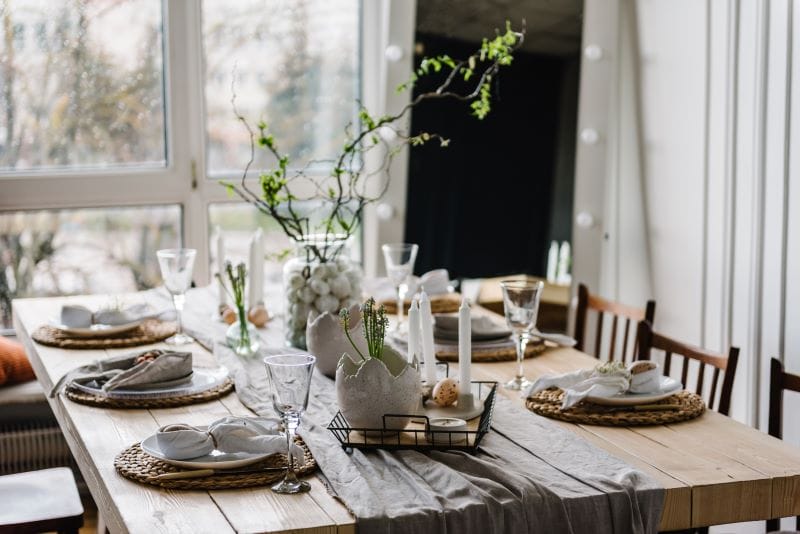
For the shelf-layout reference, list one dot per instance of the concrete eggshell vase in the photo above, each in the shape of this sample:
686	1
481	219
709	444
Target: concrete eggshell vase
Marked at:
368	389
327	341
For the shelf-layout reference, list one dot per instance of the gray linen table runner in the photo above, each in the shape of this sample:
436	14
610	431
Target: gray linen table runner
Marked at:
529	476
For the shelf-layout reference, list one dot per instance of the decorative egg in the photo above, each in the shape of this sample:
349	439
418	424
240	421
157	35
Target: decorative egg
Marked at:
229	316
320	287
445	392
258	315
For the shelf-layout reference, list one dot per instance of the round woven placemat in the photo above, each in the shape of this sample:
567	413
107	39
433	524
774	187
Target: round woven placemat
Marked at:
548	404
82	397
504	354
135	464
447	303
150	331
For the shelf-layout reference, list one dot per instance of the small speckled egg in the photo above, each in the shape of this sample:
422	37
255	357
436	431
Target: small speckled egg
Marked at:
258	315
229	316
445	392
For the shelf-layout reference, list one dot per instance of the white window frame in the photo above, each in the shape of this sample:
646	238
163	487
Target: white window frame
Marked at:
183	180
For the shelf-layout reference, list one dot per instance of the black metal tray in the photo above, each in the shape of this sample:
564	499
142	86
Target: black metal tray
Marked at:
417	435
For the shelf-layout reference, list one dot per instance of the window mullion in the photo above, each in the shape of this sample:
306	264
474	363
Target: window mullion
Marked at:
186	139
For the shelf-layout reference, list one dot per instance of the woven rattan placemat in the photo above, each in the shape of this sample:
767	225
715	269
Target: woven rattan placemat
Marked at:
504	354
135	464
150	331
548	404
167	402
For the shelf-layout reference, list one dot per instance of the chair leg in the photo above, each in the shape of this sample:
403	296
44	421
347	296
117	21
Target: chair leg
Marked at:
773	525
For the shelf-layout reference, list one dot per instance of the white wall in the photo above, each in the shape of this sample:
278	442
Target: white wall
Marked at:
703	131
715	86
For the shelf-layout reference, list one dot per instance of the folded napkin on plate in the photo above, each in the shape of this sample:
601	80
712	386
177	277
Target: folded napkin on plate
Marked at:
141	370
75	316
483	327
436	282
605	380
229	435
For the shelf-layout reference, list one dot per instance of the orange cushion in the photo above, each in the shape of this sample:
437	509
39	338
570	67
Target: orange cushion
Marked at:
14	364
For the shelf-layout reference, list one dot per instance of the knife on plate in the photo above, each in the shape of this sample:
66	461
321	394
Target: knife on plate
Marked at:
200	473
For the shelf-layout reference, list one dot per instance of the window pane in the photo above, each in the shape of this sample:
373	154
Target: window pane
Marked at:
238	221
82	84
296	68
98	250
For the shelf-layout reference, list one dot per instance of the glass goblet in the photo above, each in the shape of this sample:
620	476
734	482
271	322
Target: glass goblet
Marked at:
290	380
399	259
176	266
521	307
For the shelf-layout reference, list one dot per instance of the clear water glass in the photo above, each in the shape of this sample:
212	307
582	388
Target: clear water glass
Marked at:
290	381
399	259
521	307
177	265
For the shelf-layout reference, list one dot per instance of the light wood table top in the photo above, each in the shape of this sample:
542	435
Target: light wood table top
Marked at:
714	469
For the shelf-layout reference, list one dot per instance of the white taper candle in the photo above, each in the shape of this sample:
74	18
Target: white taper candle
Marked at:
220	239
414	332
464	347
428	348
256	292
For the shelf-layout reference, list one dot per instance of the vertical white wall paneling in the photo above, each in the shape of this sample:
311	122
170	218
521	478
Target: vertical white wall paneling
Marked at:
791	350
673	121
714	335
596	94
398	22
776	138
630	280
745	222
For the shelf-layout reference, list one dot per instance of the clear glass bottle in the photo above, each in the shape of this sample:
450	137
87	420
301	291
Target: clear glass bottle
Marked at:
320	278
242	335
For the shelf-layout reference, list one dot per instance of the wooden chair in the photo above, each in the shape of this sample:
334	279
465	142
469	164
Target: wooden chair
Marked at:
648	340
40	501
779	380
629	314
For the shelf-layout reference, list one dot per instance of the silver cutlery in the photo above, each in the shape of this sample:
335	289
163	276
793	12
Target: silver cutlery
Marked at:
200	473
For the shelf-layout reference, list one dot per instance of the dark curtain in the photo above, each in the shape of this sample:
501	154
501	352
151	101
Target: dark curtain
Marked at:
481	207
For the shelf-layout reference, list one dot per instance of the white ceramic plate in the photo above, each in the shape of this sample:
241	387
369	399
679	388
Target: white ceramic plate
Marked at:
669	386
202	380
215	460
96	330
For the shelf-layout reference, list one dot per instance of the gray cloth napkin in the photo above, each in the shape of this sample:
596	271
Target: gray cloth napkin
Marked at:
123	372
76	316
229	435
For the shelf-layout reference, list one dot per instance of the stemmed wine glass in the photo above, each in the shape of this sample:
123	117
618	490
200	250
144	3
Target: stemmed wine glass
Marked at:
176	266
290	379
400	258
521	306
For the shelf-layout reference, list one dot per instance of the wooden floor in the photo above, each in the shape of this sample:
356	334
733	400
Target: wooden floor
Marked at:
89	517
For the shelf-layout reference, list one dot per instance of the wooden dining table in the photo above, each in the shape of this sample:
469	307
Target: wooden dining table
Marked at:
715	470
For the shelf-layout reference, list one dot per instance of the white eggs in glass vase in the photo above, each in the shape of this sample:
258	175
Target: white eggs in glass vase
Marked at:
311	285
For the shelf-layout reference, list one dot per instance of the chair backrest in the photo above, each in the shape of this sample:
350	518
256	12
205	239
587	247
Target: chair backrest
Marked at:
648	340
619	312
779	381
